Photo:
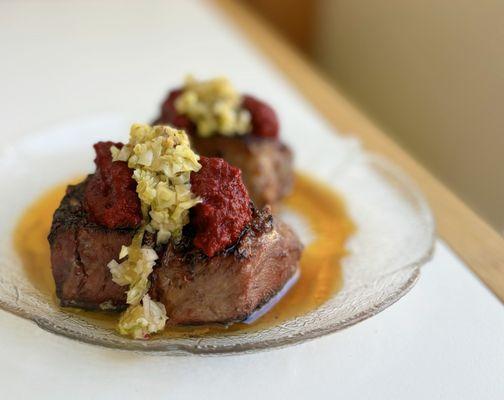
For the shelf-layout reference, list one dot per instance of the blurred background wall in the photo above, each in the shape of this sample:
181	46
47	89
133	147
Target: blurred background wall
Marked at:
430	72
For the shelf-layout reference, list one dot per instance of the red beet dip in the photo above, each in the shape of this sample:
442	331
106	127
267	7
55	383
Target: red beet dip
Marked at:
110	197
225	208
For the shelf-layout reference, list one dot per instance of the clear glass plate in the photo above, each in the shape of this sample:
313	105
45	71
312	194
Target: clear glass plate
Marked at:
394	236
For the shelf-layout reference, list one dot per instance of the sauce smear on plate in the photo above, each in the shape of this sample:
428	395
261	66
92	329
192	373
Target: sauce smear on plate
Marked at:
321	276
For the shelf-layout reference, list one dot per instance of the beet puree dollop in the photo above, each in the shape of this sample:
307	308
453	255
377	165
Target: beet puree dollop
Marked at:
264	119
225	208
110	197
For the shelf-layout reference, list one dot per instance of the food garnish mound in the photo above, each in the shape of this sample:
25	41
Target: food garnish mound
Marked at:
214	107
162	161
146	184
110	197
225	208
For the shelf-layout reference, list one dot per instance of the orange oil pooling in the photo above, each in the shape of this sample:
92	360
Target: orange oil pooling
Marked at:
30	239
321	274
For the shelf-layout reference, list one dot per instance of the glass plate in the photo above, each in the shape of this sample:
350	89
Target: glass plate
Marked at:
394	236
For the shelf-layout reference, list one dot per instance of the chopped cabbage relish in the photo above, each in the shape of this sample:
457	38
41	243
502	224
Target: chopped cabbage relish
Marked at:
214	106
162	162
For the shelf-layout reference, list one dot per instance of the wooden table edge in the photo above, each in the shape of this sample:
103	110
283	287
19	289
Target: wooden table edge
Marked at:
474	241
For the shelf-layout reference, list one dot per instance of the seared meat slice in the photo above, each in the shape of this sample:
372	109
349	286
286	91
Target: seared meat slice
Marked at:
80	252
266	164
195	289
228	287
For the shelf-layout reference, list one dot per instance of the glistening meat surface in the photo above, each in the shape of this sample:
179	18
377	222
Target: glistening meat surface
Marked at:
80	252
196	289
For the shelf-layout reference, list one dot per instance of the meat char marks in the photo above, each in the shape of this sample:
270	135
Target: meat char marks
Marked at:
227	288
195	289
80	252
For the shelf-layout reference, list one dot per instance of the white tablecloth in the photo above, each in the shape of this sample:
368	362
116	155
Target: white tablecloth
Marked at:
60	60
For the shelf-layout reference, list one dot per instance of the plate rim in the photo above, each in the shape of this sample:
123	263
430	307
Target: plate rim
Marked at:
164	348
